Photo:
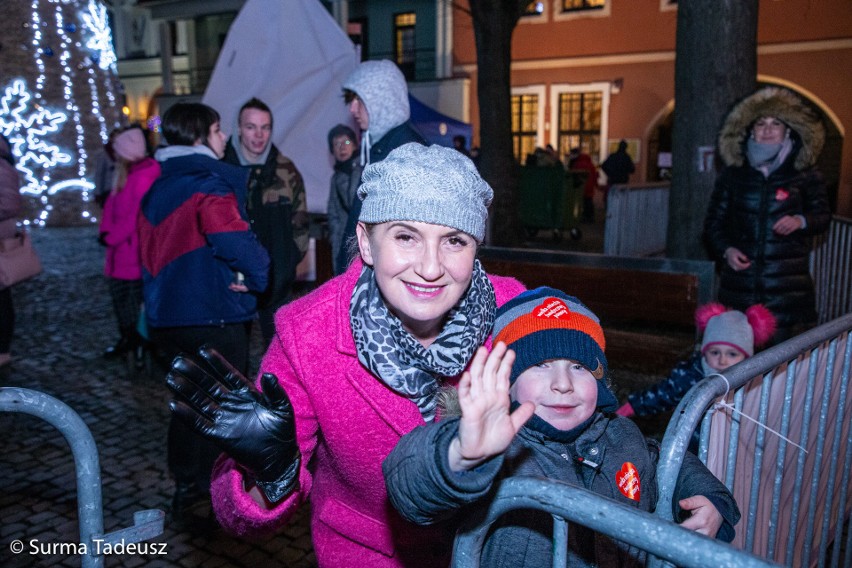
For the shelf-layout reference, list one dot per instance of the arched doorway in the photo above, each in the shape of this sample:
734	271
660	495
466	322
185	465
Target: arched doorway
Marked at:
658	164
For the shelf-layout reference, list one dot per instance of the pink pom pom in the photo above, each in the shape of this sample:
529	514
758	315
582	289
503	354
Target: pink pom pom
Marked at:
706	312
762	323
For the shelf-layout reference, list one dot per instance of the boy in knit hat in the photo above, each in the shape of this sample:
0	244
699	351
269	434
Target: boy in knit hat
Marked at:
730	336
548	364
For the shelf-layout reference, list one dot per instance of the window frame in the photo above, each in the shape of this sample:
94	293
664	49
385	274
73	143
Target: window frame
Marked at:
556	90
541	18
541	92
559	14
409	69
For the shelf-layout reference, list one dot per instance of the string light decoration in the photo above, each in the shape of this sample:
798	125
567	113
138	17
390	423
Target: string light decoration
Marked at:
95	18
60	100
27	127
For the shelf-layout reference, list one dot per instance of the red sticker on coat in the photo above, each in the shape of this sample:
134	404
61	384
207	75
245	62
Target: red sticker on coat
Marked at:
551	308
628	481
781	194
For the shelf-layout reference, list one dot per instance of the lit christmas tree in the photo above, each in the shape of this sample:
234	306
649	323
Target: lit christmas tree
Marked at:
59	100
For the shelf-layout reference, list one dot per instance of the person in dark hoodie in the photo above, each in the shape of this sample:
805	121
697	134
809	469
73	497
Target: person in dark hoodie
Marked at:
377	96
277	206
343	145
768	202
539	405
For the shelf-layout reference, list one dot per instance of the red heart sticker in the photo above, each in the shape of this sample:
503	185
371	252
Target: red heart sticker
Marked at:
551	308
781	194
628	481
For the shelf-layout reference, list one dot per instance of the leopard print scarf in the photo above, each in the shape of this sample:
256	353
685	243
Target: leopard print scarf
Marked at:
398	359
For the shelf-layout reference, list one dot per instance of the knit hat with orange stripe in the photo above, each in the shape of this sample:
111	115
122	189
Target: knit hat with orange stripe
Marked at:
544	324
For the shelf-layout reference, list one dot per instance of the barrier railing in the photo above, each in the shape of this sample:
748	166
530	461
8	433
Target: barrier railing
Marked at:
625	524
636	220
831	269
146	524
799	472
790	475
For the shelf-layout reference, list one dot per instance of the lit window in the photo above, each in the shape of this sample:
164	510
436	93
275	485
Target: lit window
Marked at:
524	125
577	5
580	122
534	9
404	44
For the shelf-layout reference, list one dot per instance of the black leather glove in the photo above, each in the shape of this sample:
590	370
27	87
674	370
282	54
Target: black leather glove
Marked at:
254	428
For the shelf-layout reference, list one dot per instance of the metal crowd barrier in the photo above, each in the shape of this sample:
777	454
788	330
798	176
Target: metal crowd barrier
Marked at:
578	505
831	269
636	219
790	476
799	477
146	524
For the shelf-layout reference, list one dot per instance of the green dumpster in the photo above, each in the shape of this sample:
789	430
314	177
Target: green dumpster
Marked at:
551	199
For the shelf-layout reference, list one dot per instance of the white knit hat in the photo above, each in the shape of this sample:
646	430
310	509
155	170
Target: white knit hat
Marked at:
732	329
430	184
742	331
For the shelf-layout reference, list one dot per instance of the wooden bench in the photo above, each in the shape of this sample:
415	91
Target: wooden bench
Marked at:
646	305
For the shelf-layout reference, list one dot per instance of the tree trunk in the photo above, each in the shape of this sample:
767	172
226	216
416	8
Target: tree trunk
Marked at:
716	64
493	24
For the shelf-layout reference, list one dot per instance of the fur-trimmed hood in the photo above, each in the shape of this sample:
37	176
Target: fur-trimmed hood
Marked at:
779	103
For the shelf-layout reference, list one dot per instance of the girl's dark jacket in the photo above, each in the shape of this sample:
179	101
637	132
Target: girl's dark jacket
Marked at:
745	205
664	395
424	490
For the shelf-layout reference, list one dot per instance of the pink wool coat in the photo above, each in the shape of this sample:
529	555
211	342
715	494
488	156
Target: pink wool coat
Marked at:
119	222
347	422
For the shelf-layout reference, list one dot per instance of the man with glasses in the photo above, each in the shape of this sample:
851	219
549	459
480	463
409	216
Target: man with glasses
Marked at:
342	143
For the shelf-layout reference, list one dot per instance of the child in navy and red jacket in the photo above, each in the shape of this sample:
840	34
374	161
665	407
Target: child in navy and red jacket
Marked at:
202	269
548	364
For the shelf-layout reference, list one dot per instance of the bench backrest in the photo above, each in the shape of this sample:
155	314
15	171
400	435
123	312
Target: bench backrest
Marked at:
617	289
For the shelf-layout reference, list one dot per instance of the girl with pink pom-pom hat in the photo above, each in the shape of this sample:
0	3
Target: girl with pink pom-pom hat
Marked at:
729	337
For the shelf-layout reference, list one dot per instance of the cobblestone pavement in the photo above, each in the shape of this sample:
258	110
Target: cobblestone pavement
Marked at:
64	321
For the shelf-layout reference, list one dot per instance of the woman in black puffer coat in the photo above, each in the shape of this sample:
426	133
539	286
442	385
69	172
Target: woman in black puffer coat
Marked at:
768	202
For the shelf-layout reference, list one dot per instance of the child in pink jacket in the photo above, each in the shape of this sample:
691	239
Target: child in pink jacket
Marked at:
135	172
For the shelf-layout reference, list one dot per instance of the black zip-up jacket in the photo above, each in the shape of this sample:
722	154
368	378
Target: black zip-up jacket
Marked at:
743	208
745	205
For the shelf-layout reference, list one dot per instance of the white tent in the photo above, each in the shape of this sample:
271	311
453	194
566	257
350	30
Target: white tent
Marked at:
293	56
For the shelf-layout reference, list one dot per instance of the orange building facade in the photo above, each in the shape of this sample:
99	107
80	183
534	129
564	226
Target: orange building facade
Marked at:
597	75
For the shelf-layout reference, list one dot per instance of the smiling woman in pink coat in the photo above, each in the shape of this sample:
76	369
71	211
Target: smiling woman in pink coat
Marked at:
354	366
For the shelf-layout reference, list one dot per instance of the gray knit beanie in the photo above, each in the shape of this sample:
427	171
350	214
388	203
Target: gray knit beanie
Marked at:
732	329
430	184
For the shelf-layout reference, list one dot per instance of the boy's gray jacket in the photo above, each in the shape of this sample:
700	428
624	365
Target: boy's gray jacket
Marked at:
424	490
